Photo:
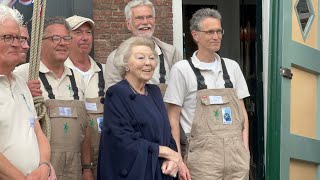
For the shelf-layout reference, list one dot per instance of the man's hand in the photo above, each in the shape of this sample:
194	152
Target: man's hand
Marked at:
40	173
184	173
34	87
87	174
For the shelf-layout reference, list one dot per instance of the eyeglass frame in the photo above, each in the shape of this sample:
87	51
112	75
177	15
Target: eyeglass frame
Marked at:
219	32
10	42
60	38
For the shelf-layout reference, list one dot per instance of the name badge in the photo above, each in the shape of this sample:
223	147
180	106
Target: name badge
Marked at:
91	106
31	122
215	99
65	111
226	115
100	123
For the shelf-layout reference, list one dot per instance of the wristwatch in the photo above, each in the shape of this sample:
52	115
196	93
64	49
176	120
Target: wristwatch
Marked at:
87	166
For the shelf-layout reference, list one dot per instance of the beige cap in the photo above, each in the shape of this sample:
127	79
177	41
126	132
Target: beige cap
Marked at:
76	21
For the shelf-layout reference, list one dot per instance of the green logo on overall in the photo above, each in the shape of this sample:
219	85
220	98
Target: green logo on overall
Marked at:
66	128
69	87
216	114
91	123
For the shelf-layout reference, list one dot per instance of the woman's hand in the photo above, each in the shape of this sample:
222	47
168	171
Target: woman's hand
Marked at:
169	154
169	168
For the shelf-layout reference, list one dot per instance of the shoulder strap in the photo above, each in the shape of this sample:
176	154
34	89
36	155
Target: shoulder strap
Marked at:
200	78
162	70
74	86
101	82
46	85
226	77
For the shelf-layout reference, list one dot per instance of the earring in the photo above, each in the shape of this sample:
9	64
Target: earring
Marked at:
127	69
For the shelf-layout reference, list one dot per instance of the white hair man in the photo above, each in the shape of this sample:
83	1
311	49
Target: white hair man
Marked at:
24	149
140	20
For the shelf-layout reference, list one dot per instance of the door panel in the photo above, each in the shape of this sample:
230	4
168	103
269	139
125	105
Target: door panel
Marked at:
293	144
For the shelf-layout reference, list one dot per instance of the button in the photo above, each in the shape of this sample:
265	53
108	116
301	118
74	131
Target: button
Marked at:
102	100
132	96
124	172
150	149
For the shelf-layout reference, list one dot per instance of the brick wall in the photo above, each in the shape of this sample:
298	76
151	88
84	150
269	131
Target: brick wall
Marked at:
111	30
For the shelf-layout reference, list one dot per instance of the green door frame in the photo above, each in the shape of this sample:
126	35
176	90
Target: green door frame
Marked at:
274	94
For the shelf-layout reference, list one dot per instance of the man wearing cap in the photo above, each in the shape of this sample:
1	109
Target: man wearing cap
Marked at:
140	20
92	73
64	92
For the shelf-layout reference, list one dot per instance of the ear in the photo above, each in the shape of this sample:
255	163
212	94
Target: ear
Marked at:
195	35
128	23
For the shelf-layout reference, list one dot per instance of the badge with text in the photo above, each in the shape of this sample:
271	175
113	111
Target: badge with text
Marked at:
215	99
100	123
91	106
65	111
226	115
31	121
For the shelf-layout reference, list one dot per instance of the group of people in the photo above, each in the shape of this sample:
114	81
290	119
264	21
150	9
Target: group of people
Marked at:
145	114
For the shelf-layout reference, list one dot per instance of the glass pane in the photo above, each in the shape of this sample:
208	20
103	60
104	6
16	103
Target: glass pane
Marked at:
303	13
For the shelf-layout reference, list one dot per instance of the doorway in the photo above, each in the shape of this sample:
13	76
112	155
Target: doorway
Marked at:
243	43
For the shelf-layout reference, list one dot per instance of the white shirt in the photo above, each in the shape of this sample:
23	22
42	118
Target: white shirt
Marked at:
182	85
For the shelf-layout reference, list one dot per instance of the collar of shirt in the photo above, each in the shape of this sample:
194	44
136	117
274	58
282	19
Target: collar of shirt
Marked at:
43	68
214	66
157	48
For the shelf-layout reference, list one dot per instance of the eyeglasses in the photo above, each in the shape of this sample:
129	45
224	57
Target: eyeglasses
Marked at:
56	39
142	18
219	32
8	39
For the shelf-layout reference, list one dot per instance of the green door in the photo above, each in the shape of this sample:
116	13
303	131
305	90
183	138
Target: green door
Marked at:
293	146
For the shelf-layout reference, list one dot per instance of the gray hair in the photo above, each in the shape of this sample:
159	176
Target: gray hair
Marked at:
202	14
56	20
9	13
124	52
134	3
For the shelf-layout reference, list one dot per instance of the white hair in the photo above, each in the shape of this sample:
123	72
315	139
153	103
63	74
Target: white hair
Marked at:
9	13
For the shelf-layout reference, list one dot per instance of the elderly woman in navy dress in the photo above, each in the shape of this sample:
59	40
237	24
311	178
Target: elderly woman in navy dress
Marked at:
136	141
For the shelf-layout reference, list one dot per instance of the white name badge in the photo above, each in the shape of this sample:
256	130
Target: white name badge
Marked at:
91	106
215	99
100	123
226	115
31	121
65	111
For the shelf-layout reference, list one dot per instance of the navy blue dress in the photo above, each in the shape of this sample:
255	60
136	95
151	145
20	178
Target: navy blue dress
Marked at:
134	127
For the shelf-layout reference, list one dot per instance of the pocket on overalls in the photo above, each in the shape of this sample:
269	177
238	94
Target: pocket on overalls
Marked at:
66	129
241	155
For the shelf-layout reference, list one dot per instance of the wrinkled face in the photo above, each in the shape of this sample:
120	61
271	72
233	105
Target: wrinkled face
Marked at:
55	52
141	63
210	42
25	47
142	21
81	39
9	52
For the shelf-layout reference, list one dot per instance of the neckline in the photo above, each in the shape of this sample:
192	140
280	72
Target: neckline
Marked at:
134	91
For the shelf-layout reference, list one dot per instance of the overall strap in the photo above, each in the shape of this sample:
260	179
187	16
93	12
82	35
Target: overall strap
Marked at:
226	77
101	82
74	86
200	78
46	85
162	70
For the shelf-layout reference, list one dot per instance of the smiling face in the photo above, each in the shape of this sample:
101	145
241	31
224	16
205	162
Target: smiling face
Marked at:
25	47
142	22
9	53
141	63
81	39
55	53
